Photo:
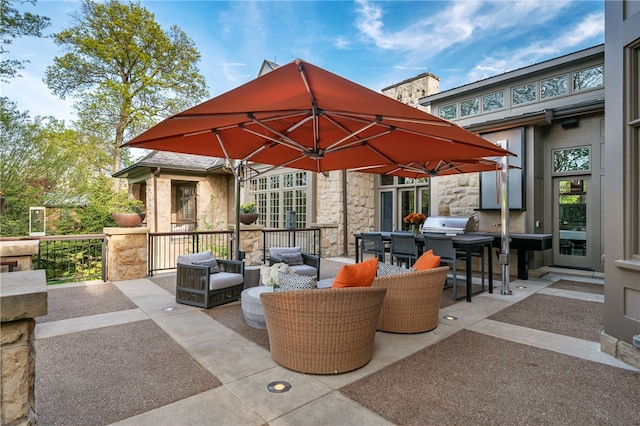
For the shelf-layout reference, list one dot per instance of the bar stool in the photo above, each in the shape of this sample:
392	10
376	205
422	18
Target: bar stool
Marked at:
403	248
372	243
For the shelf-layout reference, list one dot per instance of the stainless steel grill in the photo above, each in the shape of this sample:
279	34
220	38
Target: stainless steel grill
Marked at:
449	225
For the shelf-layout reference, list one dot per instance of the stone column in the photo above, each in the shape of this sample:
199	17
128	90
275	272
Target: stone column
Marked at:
20	252
23	297
127	253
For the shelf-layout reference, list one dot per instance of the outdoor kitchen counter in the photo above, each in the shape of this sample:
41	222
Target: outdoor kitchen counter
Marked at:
522	243
468	242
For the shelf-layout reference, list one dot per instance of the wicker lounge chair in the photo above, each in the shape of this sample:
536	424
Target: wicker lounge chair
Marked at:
325	331
412	303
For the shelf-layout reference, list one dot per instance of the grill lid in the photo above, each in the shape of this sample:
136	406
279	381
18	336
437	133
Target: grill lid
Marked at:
449	224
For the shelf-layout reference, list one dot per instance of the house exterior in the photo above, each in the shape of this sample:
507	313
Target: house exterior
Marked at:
552	116
621	201
181	192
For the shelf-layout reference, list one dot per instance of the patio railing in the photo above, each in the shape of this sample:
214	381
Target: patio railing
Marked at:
308	239
165	247
68	258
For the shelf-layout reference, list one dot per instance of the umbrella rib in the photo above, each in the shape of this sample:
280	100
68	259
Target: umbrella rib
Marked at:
315	112
284	138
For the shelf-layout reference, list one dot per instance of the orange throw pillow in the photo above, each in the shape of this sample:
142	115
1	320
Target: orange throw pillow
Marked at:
427	261
356	275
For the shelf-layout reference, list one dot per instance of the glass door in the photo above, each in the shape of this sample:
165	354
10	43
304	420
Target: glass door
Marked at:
407	205
571	243
386	211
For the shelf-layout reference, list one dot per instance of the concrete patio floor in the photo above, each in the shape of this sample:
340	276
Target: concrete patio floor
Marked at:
223	376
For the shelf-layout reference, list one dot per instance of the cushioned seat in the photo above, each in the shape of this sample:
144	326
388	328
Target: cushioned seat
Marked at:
309	265
196	284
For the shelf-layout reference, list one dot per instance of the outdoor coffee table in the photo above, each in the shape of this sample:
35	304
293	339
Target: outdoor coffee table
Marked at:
252	307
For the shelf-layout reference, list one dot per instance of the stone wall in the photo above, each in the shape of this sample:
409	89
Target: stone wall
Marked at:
251	243
212	203
360	205
410	91
127	253
23	297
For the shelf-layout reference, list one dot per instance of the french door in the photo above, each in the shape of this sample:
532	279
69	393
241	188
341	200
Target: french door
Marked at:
573	239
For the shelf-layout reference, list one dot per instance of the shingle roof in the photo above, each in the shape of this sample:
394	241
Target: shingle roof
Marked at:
180	161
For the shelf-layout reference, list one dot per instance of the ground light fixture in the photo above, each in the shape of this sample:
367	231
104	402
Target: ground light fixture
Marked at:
521	286
169	309
278	387
450	317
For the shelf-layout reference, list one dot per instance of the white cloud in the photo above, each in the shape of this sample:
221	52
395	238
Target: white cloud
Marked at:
592	26
341	43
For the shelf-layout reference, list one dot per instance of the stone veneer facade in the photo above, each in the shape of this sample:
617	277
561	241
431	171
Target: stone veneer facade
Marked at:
127	253
23	297
411	90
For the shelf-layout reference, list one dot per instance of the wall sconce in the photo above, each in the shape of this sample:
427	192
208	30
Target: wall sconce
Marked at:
570	123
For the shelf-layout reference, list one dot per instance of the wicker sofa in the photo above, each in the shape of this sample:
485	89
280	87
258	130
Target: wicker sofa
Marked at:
197	287
412	303
323	331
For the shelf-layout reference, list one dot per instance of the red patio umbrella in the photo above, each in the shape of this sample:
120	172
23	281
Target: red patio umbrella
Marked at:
304	117
416	170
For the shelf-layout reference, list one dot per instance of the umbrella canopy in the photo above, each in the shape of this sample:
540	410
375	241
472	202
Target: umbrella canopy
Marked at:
304	117
434	168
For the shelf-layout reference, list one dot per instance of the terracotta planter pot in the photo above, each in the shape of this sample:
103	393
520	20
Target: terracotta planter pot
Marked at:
128	220
248	218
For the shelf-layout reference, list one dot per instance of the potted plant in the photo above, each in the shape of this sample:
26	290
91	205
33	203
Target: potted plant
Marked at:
248	213
128	213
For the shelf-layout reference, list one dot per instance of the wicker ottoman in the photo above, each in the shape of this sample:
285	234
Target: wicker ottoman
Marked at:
252	307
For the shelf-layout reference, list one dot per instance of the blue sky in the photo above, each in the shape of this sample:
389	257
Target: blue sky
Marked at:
373	43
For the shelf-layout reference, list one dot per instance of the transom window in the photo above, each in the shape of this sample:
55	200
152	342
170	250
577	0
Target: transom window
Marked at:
571	160
493	101
523	94
469	107
448	112
588	78
554	86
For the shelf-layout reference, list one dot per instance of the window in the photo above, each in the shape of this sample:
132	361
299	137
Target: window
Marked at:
523	94
493	101
400	196
278	193
589	78
469	107
448	112
554	86
571	160
186	202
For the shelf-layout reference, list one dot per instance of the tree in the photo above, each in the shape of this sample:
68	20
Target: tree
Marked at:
14	24
41	156
126	72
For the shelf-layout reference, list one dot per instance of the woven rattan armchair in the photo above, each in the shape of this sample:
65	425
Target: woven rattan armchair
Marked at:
412	303
326	331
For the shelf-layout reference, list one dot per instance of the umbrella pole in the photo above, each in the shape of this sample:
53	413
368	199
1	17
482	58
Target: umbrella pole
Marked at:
238	173
504	220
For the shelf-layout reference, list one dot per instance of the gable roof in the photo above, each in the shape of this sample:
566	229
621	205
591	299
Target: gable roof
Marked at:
173	161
